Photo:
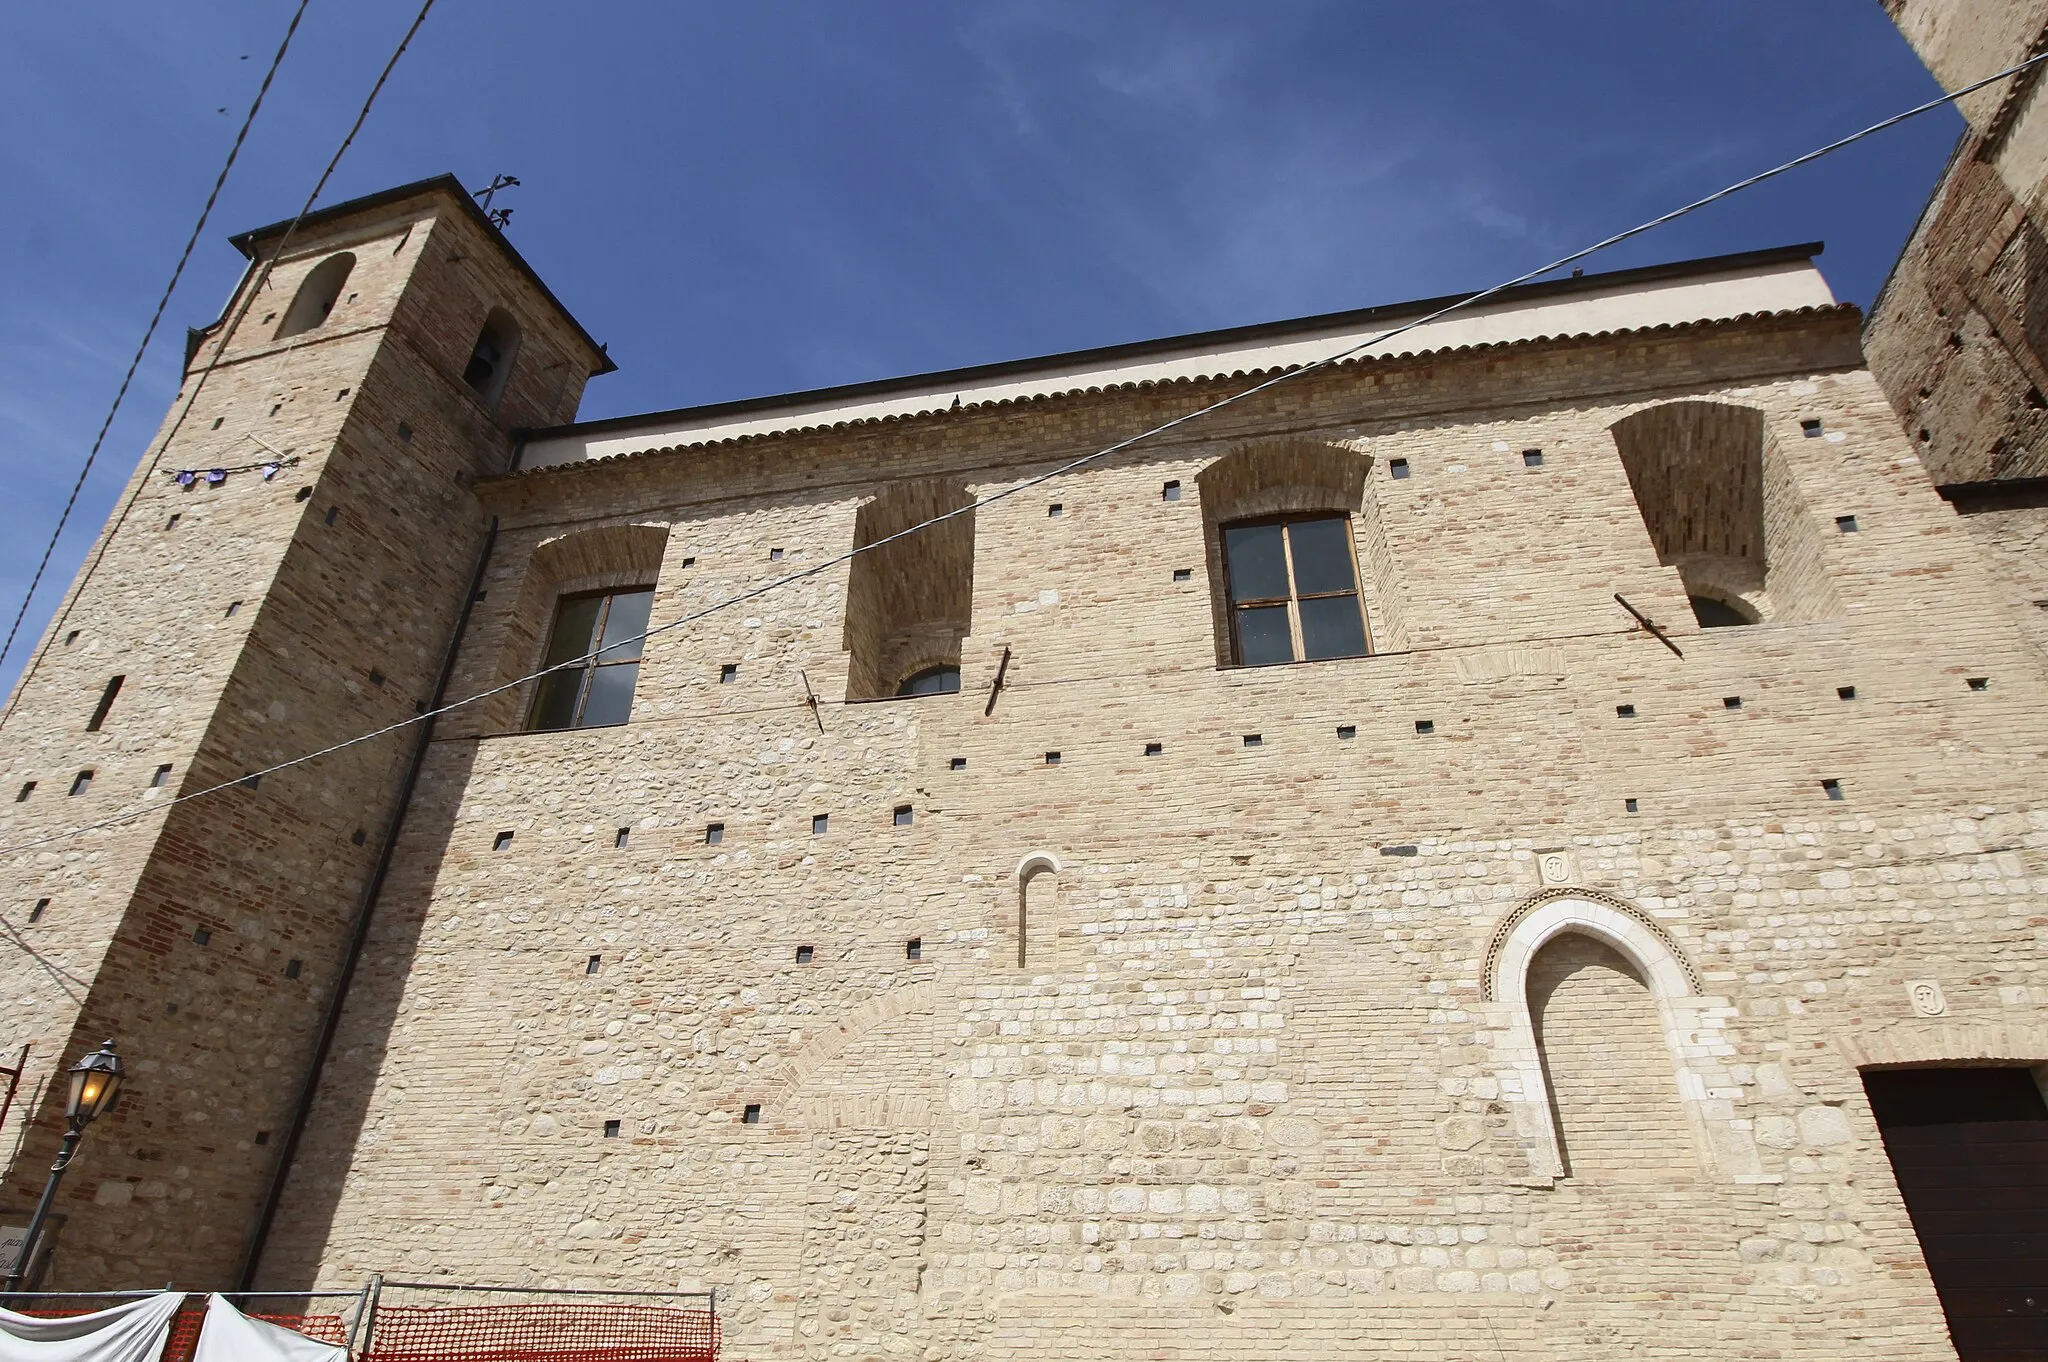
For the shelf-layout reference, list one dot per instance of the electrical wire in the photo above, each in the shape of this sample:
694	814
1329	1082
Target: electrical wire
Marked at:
220	346
149	332
1060	470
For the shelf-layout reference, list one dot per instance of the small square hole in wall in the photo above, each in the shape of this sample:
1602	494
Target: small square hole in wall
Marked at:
1153	749
1532	458
622	836
1397	468
728	673
501	841
957	764
28	787
217	420
819	822
1731	702
376	678
332	512
913	949
902	815
72	637
172	523
1978	682
405	432
775	555
1055	510
201	937
805	954
611	1130
81	782
1845	692
689	562
1833	789
593	964
1183	574
1052	759
276	407
1346	732
304	494
1811	428
1846	524
1254	740
751	1114
293	968
234	608
714	833
1630	805
250	782
262	1137
1170	491
343	393
35	914
1625	711
1425	726
358	837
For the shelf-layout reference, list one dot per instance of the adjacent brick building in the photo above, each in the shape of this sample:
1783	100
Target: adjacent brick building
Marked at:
962	950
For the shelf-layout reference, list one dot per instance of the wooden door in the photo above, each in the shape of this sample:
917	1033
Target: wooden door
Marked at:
1970	1150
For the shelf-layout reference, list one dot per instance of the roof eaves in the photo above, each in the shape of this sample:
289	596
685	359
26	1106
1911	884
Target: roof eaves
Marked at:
1195	340
1846	310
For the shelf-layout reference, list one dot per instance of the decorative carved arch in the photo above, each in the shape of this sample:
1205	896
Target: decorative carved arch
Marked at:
1673	983
1636	935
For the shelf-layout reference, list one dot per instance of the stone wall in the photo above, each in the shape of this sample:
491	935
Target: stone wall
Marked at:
253	620
1246	1068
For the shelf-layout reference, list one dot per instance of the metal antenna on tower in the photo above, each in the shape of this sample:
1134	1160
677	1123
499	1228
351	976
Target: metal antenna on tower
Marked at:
498	217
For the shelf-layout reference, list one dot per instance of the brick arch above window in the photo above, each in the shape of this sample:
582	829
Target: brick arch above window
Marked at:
602	558
1291	480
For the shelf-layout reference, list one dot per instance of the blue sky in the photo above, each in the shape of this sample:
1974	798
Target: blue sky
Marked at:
744	199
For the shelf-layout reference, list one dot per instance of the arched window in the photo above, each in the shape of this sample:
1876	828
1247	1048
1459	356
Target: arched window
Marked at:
1722	506
598	634
317	295
1297	559
1293	590
931	681
910	597
490	362
1613	1089
1038	887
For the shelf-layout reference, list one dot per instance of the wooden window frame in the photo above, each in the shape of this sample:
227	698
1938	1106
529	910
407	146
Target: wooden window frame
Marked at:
1294	598
584	670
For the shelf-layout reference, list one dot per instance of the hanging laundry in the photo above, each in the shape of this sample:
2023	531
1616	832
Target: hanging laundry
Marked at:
228	1335
216	476
185	477
133	1331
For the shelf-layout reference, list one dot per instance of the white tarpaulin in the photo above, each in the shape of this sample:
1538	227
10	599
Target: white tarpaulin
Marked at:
231	1336
133	1331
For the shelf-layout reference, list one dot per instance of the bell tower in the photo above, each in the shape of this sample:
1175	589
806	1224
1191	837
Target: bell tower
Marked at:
285	571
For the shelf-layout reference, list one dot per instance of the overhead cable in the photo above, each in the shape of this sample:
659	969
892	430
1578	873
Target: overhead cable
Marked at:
149	332
227	332
1061	470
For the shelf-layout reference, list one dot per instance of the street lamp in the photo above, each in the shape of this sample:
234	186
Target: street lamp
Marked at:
95	1083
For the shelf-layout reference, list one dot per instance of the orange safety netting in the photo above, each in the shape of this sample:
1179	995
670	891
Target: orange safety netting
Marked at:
184	1337
543	1333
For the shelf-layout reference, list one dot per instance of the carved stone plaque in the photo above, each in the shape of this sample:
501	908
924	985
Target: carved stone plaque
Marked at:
1925	995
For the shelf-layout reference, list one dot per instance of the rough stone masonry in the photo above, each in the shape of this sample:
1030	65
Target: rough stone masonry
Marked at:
1505	990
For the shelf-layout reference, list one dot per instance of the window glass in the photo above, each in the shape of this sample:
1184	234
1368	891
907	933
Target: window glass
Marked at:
610	700
1322	557
1294	590
1263	636
627	620
592	690
1331	626
1258	564
932	681
555	706
575	624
